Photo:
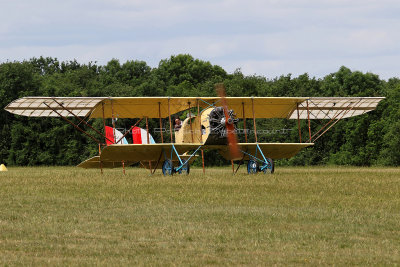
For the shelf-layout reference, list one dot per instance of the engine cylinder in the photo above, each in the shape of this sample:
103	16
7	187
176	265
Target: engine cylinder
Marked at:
217	120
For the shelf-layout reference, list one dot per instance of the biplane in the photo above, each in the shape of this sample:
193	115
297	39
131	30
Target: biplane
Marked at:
210	124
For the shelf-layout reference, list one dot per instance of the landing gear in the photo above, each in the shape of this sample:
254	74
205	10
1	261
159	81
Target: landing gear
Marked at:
252	167
168	168
185	169
183	166
268	167
259	164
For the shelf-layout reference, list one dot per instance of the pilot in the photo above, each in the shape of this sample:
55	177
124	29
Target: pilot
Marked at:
178	124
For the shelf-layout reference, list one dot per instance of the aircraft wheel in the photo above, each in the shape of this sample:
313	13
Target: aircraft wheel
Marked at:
186	169
269	167
252	167
167	167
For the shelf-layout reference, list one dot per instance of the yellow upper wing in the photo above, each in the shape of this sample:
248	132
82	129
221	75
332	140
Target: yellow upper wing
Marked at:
156	107
151	107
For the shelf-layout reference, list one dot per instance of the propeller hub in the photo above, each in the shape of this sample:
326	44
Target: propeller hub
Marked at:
219	123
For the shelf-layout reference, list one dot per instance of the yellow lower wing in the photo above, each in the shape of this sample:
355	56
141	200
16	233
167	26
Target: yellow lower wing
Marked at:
158	164
270	150
94	163
140	152
113	155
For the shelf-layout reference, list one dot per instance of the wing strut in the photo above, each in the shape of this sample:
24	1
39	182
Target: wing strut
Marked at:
169	116
148	140
161	129
73	124
335	119
158	162
126	133
332	124
254	119
244	124
309	124
81	120
298	121
201	134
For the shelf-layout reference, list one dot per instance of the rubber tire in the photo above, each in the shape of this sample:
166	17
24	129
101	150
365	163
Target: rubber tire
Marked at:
271	169
252	167
186	169
168	168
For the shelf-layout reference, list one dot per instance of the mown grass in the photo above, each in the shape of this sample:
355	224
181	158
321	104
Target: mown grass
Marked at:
310	215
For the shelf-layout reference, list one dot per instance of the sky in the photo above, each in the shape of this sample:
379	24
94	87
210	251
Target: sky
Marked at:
268	38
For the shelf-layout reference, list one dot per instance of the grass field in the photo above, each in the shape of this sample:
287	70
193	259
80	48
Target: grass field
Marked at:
308	215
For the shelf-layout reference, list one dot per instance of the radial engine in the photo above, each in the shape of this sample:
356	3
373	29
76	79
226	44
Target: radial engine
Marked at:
213	127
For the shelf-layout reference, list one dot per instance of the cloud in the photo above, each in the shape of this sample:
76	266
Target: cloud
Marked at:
267	38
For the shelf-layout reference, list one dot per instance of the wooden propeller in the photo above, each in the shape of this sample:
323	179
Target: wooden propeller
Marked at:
230	127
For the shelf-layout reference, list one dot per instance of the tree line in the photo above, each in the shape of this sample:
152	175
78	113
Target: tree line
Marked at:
370	139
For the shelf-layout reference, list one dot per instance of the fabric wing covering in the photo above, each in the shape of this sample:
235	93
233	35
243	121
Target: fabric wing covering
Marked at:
272	150
53	106
151	107
94	163
156	107
336	107
138	152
